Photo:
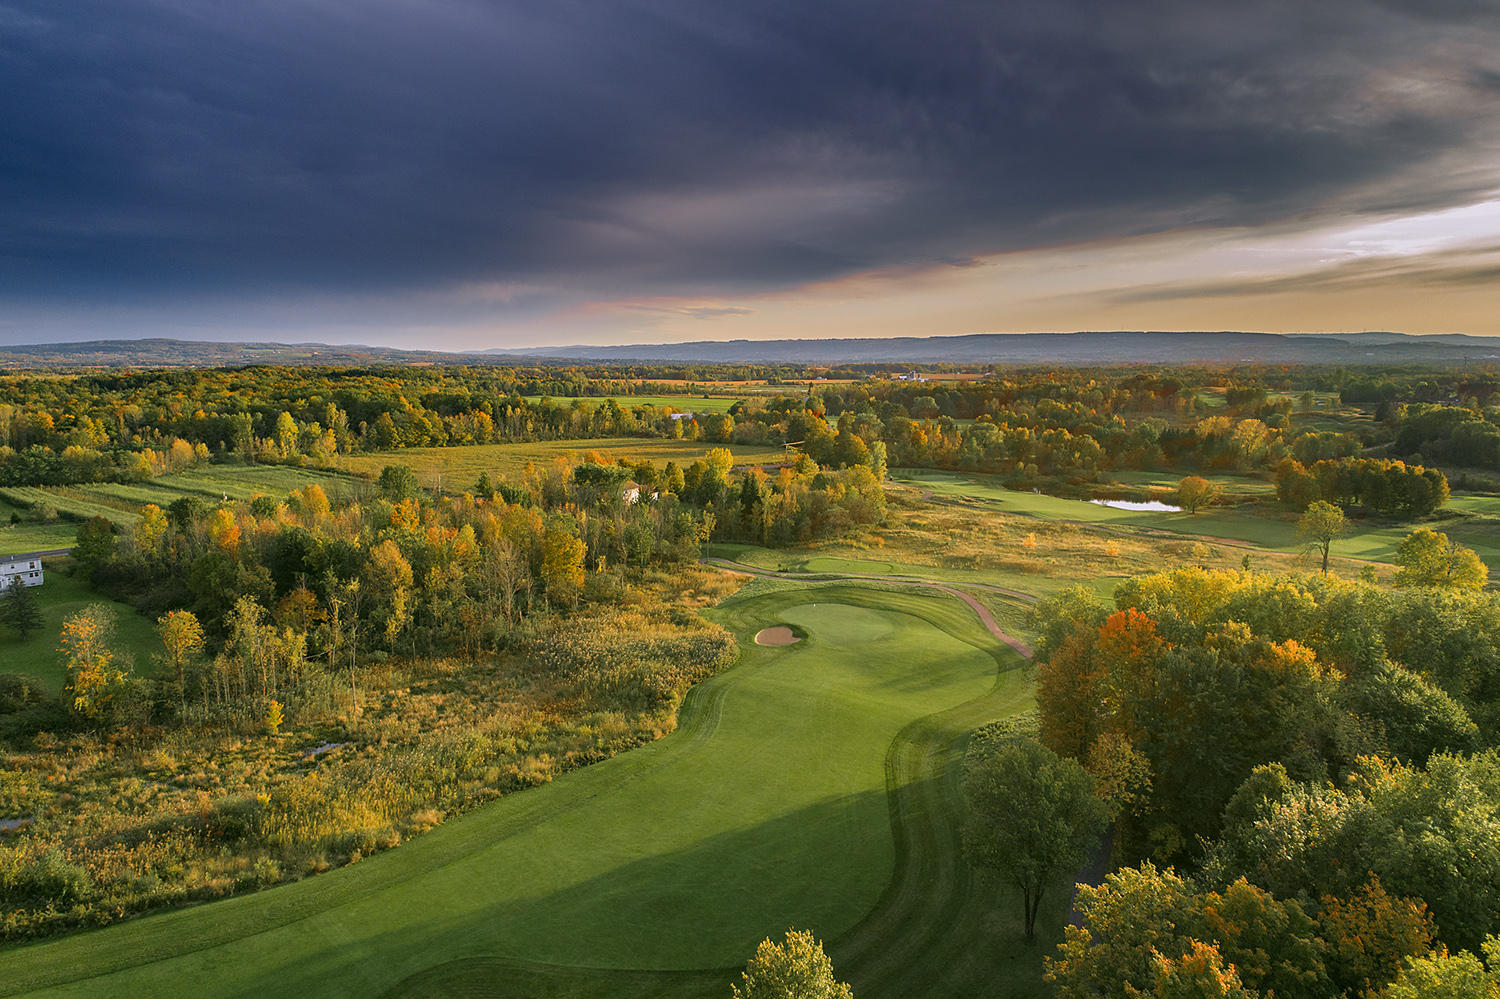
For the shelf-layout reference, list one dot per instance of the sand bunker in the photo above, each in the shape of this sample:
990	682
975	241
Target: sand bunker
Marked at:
779	635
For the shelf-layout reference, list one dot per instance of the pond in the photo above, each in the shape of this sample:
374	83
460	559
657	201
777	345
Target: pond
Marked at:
1156	506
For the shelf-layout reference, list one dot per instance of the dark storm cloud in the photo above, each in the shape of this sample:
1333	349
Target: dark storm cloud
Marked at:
156	149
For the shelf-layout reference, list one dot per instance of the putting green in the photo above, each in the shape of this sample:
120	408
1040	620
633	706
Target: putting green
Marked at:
811	785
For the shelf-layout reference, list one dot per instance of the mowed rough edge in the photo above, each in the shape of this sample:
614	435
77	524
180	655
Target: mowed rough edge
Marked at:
768	808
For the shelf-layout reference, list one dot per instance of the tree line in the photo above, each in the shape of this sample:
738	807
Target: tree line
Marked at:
1299	774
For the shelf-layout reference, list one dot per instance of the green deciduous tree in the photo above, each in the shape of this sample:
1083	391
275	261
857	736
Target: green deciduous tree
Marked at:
1136	915
95	541
398	482
1321	525
1033	817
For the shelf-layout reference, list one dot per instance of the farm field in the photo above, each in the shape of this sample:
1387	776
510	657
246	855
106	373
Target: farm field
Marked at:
215	483
121	501
59	596
460	466
811	785
1477	524
73	503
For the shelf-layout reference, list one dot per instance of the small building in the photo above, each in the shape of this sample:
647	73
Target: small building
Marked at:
630	491
28	568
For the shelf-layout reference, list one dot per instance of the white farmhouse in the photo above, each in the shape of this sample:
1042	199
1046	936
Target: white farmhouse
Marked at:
27	567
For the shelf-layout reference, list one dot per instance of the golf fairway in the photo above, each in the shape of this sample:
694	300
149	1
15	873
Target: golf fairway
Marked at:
811	785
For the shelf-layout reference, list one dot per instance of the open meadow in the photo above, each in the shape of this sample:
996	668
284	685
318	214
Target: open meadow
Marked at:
811	785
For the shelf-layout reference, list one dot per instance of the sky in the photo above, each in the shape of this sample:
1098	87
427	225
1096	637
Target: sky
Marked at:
463	175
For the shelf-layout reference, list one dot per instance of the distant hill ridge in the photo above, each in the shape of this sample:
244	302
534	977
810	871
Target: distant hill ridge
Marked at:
1105	347
1082	348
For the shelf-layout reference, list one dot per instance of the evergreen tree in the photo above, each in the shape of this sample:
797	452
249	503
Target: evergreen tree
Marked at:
21	608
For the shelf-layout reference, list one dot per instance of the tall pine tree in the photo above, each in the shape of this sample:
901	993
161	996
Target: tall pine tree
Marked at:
20	607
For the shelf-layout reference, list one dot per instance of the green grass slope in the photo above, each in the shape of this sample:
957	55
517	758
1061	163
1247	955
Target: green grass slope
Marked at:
59	596
812	786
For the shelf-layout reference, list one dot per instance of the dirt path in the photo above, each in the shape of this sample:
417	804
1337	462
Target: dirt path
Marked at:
985	617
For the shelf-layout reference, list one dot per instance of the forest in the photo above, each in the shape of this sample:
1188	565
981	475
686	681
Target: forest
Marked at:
309	616
1300	773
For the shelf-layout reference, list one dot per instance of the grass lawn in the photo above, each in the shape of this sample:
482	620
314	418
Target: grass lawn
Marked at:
812	785
460	466
59	596
29	536
1477	524
1215	522
850	564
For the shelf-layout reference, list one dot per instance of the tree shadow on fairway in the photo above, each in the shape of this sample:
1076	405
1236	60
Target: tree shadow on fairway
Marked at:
936	930
676	924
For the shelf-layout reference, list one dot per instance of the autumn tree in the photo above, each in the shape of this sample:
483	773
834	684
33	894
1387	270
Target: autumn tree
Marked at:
1033	817
1370	934
223	530
562	563
796	968
1195	492
1429	558
150	528
1201	973
299	609
1321	525
95	682
389	575
286	435
182	639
